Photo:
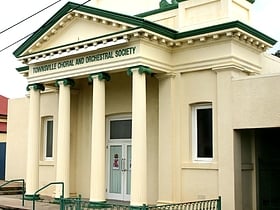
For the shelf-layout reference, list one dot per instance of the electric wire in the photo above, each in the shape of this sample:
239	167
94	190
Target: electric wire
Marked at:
44	25
29	17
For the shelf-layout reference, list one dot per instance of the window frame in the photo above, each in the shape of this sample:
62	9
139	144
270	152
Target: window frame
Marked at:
195	156
45	138
118	117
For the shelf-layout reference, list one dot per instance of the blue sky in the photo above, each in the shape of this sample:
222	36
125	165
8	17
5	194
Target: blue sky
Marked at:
12	84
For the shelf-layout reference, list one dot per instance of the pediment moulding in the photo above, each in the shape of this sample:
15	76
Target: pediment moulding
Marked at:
67	19
181	40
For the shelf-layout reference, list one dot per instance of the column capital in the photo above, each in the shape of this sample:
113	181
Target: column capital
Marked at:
36	86
100	75
141	69
65	81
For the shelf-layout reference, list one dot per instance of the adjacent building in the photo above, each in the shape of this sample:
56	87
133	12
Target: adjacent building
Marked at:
179	102
3	134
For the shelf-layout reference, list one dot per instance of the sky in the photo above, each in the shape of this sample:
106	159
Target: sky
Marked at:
13	84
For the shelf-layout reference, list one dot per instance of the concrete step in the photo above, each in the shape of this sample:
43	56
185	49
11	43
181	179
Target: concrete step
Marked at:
15	202
13	188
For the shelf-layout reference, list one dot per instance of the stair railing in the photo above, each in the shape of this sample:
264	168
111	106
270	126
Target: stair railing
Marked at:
16	180
52	183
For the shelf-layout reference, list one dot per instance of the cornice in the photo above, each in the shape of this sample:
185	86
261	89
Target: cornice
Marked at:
232	30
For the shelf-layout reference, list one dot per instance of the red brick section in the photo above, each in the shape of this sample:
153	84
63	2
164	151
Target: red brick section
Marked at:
3	105
3	113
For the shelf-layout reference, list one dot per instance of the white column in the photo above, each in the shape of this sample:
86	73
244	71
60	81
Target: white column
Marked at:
63	137
139	137
98	142
32	173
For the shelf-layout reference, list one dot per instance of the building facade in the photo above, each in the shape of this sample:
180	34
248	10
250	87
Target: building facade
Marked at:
175	104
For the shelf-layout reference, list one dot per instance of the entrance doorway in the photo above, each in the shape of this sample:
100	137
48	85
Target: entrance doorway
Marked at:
119	158
268	158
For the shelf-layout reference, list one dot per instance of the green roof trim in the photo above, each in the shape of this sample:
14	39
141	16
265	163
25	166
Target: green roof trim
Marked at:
138	23
224	26
23	68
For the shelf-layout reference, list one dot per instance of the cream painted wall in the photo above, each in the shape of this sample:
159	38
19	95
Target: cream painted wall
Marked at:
255	103
17	138
83	137
199	184
48	107
79	29
195	14
135	7
3	137
199	179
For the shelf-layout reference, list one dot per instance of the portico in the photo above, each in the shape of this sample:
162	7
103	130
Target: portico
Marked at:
98	164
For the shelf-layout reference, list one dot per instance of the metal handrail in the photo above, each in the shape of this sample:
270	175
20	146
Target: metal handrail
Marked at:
16	180
52	183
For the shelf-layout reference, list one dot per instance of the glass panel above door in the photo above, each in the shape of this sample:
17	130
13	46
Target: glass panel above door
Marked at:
120	129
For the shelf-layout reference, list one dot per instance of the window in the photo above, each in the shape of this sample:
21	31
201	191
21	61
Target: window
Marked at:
48	138
202	132
120	129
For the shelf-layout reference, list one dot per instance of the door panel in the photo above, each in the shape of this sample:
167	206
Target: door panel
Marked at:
128	166
115	169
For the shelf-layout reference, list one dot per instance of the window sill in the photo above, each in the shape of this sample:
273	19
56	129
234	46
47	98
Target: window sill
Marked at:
199	165
46	163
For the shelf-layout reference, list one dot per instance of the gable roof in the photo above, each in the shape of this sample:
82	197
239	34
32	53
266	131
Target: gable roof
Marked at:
135	22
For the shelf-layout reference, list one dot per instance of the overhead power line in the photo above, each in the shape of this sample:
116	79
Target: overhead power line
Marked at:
46	24
29	17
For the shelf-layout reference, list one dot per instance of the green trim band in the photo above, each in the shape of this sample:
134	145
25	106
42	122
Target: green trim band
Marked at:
100	75
141	70
36	86
99	205
66	82
224	26
23	68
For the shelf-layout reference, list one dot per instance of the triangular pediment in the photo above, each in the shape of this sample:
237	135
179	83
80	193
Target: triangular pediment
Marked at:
74	28
76	23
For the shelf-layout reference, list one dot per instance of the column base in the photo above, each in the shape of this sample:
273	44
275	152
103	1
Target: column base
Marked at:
31	197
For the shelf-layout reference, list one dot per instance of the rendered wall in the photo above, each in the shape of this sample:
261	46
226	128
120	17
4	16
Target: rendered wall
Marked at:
17	138
199	179
253	106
